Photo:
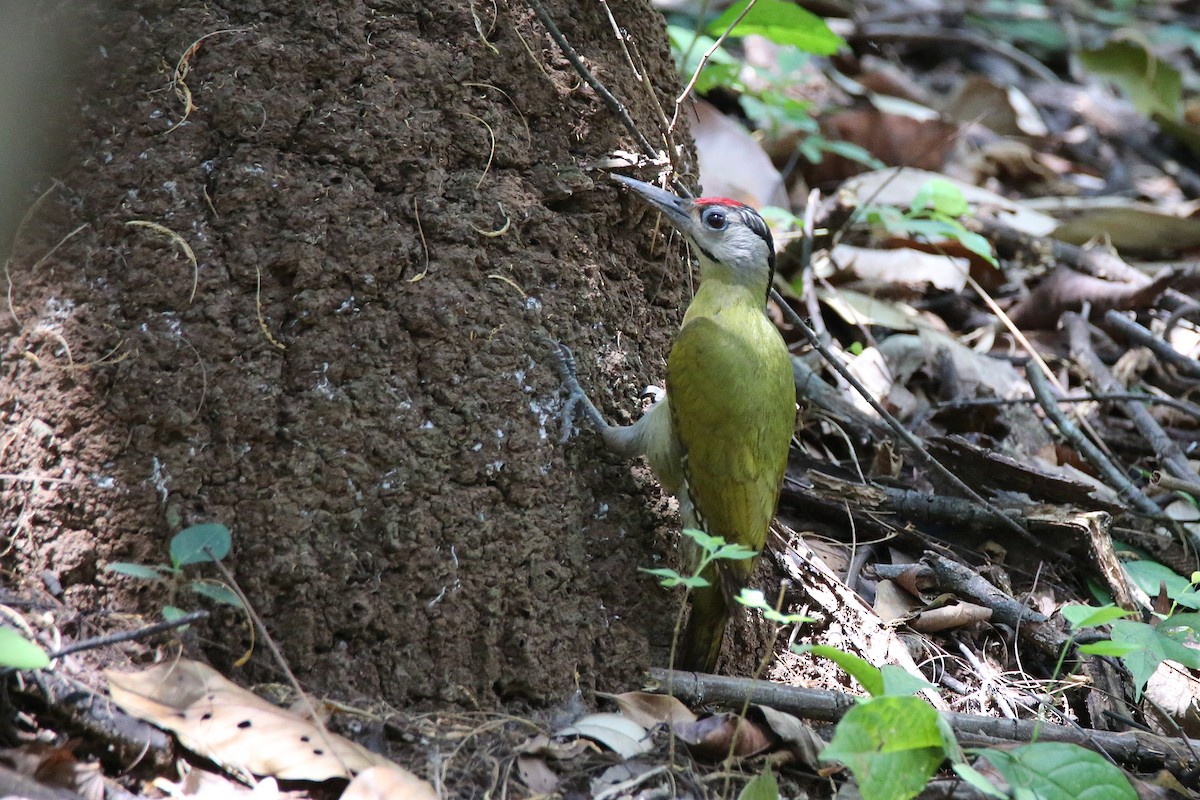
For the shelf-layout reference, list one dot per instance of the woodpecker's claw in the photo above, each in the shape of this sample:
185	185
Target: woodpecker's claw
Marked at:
564	360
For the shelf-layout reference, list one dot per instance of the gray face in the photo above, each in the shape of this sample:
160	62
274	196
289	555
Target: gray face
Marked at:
724	232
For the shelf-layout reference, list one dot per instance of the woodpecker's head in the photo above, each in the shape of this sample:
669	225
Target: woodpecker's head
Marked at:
729	238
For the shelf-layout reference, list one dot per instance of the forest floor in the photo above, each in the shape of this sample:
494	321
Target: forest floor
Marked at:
999	253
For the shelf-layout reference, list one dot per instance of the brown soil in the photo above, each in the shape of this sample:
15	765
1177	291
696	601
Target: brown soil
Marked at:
387	209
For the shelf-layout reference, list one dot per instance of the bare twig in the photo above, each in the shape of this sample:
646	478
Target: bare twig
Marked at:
129	636
1165	448
943	36
1140	336
615	105
1144	750
703	63
1112	475
1095	397
905	436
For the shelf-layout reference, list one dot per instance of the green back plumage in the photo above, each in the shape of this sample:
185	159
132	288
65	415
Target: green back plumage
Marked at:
732	401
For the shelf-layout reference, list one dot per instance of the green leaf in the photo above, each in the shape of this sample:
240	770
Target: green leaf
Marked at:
1190	621
1081	616
669	578
216	591
147	572
979	245
1152	646
898	682
761	787
851	151
17	652
892	745
172	613
1150	575
941	197
753	598
781	22
733	552
1109	648
721	69
188	546
863	672
975	779
709	544
1059	771
1149	83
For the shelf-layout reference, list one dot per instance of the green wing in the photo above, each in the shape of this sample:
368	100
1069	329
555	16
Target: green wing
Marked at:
733	406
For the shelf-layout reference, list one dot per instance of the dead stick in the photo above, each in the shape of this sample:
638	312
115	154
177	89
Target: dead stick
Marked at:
1166	450
1115	478
904	435
126	636
1146	751
1139	335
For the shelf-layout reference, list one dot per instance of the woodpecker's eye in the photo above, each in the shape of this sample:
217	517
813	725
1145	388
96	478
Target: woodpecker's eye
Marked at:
714	218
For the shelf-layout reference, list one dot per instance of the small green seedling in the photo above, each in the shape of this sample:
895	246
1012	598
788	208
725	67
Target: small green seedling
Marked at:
198	544
712	548
17	652
934	216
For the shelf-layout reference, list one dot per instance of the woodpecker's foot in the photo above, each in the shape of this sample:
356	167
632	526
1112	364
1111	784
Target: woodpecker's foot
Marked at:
564	360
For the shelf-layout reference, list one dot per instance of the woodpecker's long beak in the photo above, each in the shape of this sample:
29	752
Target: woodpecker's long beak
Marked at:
677	209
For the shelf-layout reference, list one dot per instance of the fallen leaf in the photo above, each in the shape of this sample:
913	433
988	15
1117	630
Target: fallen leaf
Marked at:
902	266
388	783
957	615
800	738
620	734
236	728
716	736
649	710
732	162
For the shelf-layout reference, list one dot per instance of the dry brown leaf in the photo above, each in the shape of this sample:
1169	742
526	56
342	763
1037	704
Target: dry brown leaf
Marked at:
902	266
716	736
236	728
732	162
892	603
56	766
1175	692
1003	109
543	745
801	740
536	774
893	138
649	710
950	616
388	783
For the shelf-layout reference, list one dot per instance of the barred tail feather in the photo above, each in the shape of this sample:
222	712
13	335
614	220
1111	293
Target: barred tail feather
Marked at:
705	631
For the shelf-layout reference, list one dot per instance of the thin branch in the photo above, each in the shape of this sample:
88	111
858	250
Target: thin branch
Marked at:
943	36
1190	409
905	436
1166	450
1112	476
611	101
129	636
703	63
1140	336
1144	750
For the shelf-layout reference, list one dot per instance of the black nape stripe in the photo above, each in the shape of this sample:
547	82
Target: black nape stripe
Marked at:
755	222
